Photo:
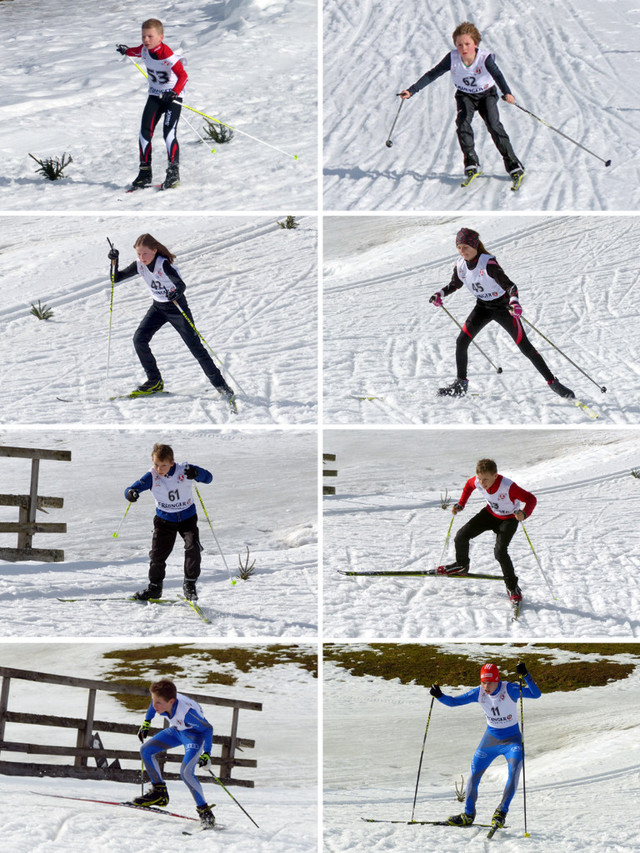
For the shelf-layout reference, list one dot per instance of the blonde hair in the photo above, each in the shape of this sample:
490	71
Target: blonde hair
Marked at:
466	28
153	24
150	242
486	466
162	452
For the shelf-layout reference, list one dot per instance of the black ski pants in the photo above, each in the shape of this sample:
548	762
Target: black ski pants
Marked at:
486	105
155	318
504	528
164	538
153	112
480	317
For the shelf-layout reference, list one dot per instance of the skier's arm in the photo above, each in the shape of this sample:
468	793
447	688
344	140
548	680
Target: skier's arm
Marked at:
530	689
200	475
498	76
142	485
465	699
437	71
495	271
467	491
454	284
520	494
197	723
179	286
127	272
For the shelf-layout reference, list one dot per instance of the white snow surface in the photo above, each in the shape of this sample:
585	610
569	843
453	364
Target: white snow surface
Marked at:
251	287
387	514
576	278
283	803
252	64
566	61
581	767
263	496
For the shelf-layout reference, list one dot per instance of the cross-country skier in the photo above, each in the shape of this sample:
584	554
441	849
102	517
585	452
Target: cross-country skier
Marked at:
475	75
155	265
167	78
188	728
498	700
507	504
170	484
497	300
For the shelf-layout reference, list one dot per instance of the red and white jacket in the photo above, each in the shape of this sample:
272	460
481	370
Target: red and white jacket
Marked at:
164	68
503	499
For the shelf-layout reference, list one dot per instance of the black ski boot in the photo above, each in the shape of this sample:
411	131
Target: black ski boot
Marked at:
499	817
172	178
151	386
144	178
560	389
458	388
154	590
453	569
190	591
157	795
463	819
207	819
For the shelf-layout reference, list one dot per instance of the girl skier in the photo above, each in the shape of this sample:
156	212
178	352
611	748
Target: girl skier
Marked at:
496	299
498	700
155	265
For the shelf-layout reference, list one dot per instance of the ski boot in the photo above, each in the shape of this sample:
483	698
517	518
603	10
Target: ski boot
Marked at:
151	386
207	819
144	178
189	589
463	819
515	595
453	569
560	389
172	178
516	176
157	795
498	819
458	388
471	171
229	397
154	590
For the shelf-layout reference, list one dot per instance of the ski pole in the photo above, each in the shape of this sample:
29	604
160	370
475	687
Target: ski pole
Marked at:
116	533
446	541
497	369
524	779
424	740
537	560
231	376
206	514
601	387
389	143
113	284
564	135
232	797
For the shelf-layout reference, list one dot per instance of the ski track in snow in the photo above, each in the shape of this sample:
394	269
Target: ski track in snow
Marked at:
565	61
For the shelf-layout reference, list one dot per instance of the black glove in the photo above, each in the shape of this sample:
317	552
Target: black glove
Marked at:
168	96
521	669
204	759
435	691
122	48
143	731
113	255
132	495
191	472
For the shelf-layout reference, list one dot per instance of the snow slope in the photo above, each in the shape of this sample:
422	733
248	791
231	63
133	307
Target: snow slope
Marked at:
576	278
581	767
263	496
252	64
283	803
570	62
387	515
252	289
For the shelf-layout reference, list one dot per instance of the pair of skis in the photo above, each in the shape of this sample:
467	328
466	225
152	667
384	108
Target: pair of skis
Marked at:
516	180
133	395
179	600
492	827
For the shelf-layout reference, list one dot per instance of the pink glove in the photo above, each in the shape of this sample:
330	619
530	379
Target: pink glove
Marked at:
436	299
514	307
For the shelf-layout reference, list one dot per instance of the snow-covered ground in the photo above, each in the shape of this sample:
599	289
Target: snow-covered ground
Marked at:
283	802
566	61
263	496
387	515
251	286
581	753
576	278
252	64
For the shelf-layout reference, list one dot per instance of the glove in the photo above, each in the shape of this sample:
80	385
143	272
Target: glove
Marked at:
436	299
143	731
132	495
122	48
435	691
521	669
457	508
168	96
190	472
204	759
514	307
113	255
171	294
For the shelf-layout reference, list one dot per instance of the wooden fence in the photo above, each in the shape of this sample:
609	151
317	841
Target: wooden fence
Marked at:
91	731
27	526
329	472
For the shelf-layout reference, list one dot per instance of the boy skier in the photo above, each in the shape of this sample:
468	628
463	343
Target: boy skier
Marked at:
188	728
170	484
475	75
498	700
501	515
167	78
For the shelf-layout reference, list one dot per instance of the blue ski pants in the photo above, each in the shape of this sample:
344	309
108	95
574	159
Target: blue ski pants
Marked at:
168	739
488	750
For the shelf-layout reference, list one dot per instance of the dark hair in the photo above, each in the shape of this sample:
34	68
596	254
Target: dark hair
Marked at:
466	28
164	452
486	466
164	688
155	245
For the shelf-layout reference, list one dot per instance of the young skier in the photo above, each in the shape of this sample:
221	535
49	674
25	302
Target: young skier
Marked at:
155	265
496	299
475	75
501	515
499	702
188	728
167	78
170	484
